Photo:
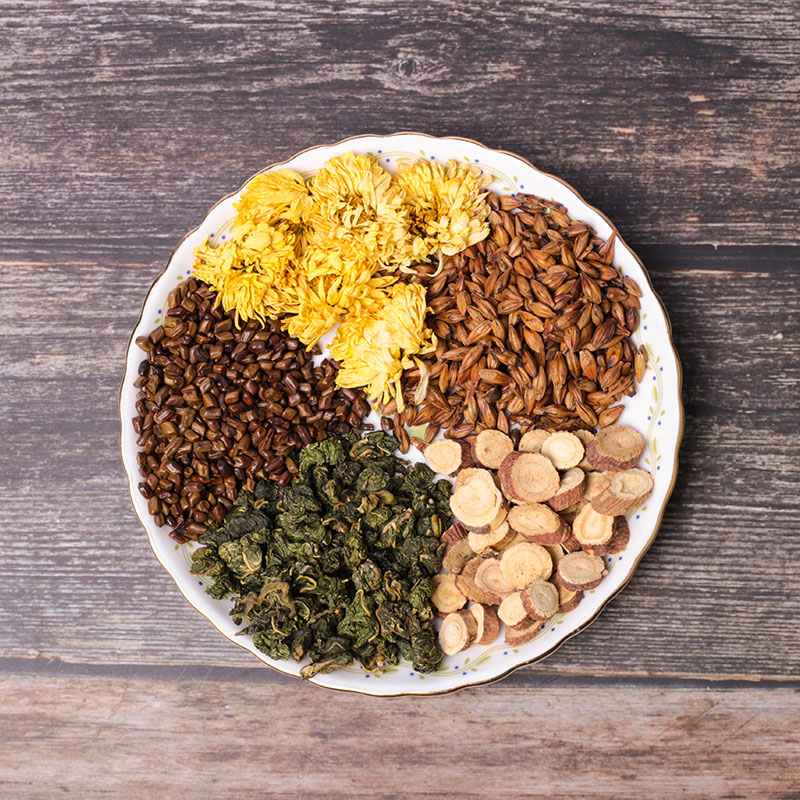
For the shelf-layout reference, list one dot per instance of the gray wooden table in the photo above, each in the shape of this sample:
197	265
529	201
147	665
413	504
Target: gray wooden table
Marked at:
121	123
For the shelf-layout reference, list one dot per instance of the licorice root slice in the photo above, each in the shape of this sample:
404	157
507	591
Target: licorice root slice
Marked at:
491	447
489	579
455	533
525	562
596	482
580	571
457	632
531	442
591	528
615	448
465	581
511	611
585	437
538	523
556	553
570	490
496	522
540	599
456	555
571	544
628	489
446	595
512	537
528	478
464	476
564	449
487	621
620	536
447	456
517	635
568	599
478	503
480	542
570	512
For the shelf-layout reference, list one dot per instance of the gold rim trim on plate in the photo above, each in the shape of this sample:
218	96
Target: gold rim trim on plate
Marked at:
681	417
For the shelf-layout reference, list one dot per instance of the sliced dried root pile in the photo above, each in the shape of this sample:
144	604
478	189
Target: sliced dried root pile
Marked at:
491	447
596	482
535	558
628	489
620	536
480	542
538	523
600	534
567	598
448	456
585	437
465	476
615	448
591	528
528	478
458	632
454	533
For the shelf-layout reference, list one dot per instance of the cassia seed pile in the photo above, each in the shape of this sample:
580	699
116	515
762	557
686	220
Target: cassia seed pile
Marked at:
219	407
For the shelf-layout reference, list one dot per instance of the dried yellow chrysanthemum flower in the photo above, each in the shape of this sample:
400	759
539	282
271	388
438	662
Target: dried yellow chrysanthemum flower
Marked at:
253	271
448	206
330	286
374	349
279	196
359	210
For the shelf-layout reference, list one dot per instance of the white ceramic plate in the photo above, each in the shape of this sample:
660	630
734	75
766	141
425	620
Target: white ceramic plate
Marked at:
656	411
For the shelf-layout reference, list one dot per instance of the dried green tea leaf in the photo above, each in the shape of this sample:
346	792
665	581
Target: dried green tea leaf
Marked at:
337	566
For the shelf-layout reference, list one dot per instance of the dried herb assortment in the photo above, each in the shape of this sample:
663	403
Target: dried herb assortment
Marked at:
336	566
497	323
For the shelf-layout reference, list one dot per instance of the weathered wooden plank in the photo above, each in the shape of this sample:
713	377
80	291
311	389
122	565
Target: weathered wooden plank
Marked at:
679	121
98	737
698	605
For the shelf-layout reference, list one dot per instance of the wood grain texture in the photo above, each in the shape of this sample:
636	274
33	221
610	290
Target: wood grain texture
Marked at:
697	606
122	124
678	120
112	738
